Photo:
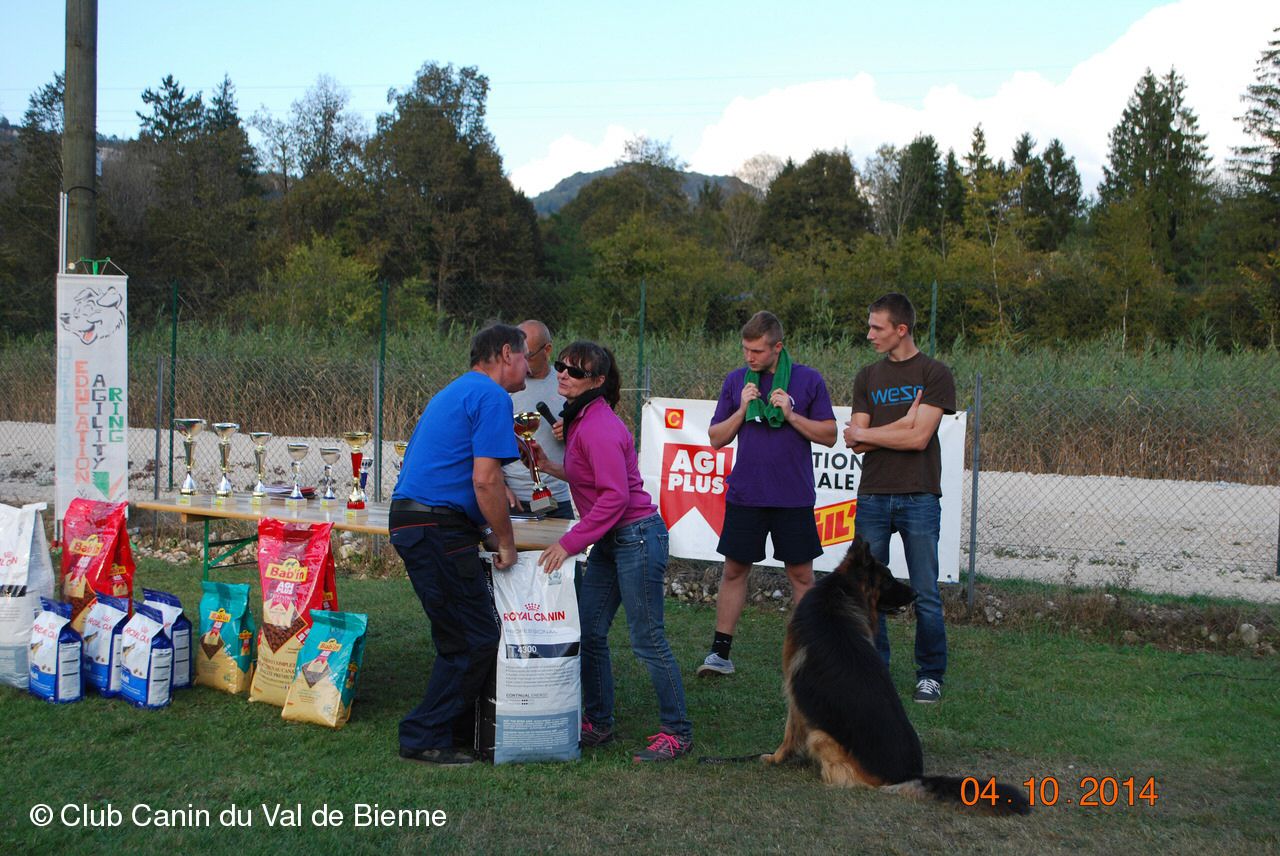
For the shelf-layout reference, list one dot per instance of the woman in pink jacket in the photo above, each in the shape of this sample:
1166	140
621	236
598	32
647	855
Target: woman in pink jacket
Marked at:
628	560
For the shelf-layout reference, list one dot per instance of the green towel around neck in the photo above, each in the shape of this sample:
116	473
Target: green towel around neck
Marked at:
760	408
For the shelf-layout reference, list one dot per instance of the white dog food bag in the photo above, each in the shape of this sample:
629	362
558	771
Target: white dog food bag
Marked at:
539	680
55	654
178	626
146	654
103	631
26	575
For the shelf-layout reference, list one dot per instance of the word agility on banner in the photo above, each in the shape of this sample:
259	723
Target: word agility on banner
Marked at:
690	479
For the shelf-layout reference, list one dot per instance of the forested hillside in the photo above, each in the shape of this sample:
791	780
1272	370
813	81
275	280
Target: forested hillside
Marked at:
305	226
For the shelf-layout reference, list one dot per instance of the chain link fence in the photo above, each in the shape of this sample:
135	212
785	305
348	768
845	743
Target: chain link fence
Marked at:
1162	488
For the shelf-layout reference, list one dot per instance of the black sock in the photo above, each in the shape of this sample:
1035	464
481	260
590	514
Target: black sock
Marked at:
721	643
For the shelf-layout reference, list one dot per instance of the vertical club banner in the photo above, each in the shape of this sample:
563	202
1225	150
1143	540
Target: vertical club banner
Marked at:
92	430
689	479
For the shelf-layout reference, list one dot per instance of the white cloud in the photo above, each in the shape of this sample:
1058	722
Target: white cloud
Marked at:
568	155
1214	45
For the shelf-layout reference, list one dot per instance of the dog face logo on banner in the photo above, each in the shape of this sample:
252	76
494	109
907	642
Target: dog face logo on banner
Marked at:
95	315
694	476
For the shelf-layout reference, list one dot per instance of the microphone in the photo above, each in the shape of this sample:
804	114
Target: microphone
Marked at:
546	412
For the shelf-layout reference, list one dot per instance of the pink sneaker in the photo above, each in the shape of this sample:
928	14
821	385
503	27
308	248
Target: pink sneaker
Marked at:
664	747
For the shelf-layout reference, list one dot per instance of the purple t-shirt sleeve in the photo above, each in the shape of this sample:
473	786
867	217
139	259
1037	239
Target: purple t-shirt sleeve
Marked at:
730	399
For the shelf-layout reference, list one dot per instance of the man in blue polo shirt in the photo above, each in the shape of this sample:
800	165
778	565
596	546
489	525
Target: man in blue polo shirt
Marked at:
777	410
451	497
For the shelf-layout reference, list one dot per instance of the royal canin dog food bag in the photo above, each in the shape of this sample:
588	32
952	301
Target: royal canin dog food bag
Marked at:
295	563
146	657
228	638
26	575
55	654
96	558
537	705
103	634
178	626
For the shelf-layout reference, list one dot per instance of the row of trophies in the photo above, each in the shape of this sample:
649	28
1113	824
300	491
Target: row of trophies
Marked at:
298	451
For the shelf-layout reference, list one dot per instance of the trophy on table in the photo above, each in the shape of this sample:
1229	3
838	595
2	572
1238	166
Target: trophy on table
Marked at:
259	439
224	430
540	501
359	467
400	446
330	455
297	451
188	428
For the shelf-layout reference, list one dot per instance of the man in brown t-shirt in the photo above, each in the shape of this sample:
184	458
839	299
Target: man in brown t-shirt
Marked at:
898	403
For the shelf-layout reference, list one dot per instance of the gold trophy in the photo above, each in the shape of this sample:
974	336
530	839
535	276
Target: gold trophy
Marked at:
540	501
400	446
260	439
188	428
330	455
297	451
359	467
224	430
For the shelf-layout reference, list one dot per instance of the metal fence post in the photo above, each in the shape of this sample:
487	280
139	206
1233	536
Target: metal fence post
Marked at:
173	371
377	429
155	474
933	320
976	410
640	363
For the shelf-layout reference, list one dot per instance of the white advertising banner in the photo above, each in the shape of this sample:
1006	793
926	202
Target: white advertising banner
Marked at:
687	478
92	454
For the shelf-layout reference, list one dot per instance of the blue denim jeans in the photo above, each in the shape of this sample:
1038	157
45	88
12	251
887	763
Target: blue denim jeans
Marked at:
915	517
627	568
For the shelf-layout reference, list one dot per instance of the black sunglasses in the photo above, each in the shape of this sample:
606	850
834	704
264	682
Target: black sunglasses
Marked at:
575	372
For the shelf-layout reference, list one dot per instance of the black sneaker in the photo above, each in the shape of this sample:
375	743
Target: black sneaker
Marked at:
440	757
592	735
928	691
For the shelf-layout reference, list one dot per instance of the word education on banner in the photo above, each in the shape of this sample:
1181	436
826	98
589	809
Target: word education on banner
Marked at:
92	455
689	480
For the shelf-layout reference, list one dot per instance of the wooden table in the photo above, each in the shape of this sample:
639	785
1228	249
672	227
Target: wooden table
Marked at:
372	520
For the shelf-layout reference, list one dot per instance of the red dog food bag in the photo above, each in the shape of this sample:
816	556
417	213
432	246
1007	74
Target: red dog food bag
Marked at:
295	563
96	558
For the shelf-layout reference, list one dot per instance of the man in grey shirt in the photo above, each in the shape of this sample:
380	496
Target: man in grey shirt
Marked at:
541	385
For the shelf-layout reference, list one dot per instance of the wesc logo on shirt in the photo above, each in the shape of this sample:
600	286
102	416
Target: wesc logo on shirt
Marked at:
694	476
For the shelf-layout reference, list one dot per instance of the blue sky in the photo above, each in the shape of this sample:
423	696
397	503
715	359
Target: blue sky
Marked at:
571	81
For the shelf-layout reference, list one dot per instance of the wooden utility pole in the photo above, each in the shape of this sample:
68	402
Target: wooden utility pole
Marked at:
79	134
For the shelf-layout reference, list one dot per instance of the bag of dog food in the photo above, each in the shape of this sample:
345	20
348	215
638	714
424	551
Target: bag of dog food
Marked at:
178	626
55	654
26	575
539	680
146	657
103	631
324	682
295	562
225	656
96	558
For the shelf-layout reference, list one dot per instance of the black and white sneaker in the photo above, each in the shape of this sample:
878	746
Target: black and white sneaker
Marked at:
928	691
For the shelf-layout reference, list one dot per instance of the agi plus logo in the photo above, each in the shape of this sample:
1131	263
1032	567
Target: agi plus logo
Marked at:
694	477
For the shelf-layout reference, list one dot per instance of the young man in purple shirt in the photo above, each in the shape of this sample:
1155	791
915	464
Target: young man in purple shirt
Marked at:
776	410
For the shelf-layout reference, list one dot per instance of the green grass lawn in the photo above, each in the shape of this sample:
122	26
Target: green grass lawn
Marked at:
1017	704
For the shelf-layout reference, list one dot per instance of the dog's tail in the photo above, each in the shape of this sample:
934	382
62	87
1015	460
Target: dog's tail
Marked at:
971	792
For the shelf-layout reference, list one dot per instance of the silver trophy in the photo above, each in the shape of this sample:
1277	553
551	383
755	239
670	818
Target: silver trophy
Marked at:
297	451
330	456
260	439
188	428
225	430
400	446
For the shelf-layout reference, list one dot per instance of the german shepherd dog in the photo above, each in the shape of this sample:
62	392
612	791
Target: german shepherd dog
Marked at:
844	712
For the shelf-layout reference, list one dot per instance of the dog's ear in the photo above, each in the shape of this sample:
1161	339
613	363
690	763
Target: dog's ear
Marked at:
859	553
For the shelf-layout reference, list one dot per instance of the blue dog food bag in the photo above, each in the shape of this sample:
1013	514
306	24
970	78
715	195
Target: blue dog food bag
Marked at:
55	654
147	657
103	630
324	681
178	626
